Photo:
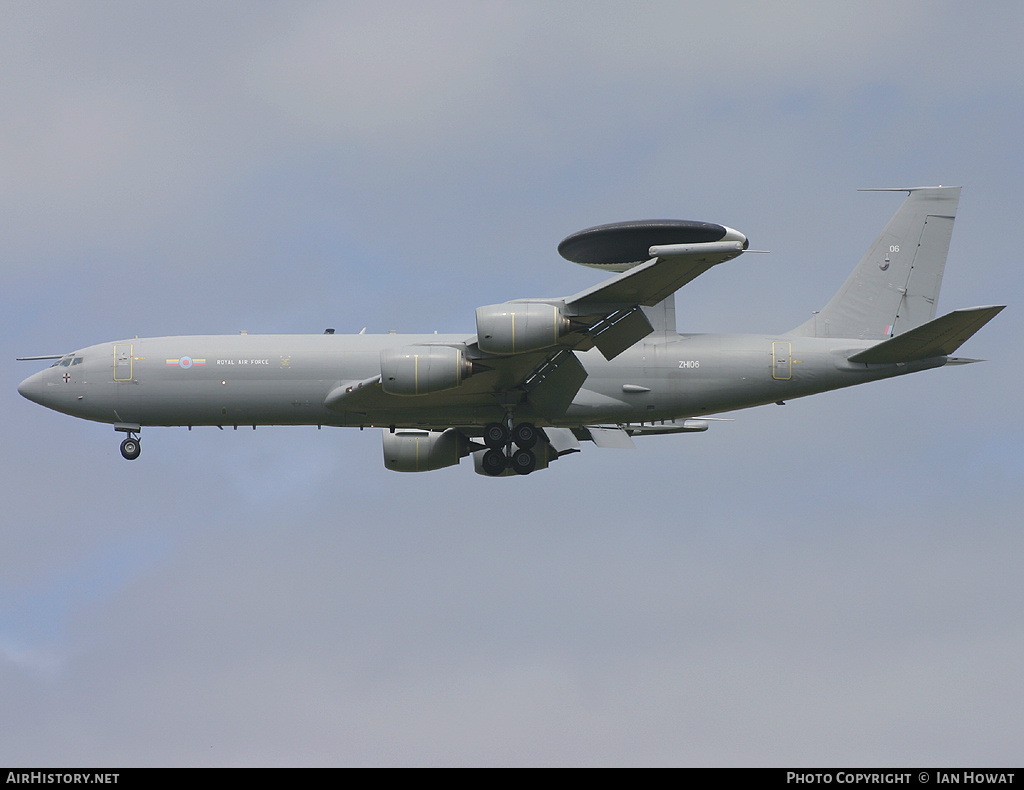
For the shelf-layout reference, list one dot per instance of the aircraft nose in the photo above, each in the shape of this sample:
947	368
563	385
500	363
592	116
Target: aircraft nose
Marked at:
32	388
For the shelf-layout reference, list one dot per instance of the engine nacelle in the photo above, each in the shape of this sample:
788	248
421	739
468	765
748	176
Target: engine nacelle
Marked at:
517	327
423	451
418	370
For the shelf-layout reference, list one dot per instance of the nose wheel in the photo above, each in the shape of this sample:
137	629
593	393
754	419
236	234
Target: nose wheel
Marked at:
510	447
130	448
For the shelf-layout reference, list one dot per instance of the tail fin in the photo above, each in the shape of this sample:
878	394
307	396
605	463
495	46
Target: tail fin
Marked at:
663	315
895	286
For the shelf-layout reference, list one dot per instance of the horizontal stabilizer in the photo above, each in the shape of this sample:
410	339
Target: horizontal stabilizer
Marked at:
937	338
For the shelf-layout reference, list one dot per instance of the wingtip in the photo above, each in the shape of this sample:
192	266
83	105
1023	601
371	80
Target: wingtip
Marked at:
962	360
905	189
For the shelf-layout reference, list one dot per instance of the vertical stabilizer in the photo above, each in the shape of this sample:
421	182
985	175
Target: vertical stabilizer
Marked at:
663	315
895	287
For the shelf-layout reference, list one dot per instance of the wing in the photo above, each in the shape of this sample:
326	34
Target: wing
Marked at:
612	309
523	353
670	267
654	259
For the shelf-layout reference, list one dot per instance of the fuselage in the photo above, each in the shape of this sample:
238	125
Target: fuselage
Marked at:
228	380
538	376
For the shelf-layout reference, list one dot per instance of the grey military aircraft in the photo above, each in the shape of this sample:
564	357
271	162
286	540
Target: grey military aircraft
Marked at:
541	375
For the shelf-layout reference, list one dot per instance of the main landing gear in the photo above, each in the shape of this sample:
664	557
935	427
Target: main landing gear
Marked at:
130	448
510	449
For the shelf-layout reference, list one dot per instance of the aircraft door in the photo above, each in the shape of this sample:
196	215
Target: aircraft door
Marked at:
782	360
122	362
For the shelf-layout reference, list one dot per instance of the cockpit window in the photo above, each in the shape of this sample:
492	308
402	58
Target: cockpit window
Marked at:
76	361
65	361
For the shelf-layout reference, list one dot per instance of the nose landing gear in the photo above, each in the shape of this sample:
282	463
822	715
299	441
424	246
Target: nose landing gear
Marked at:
130	448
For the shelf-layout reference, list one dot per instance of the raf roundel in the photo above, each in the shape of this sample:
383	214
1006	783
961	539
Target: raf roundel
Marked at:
184	362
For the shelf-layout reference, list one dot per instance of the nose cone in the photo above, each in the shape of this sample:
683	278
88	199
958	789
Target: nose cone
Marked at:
32	388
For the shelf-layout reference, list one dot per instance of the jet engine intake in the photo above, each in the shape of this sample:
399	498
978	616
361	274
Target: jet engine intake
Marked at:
423	451
517	327
419	370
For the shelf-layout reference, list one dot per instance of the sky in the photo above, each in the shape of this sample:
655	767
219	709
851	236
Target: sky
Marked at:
833	582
